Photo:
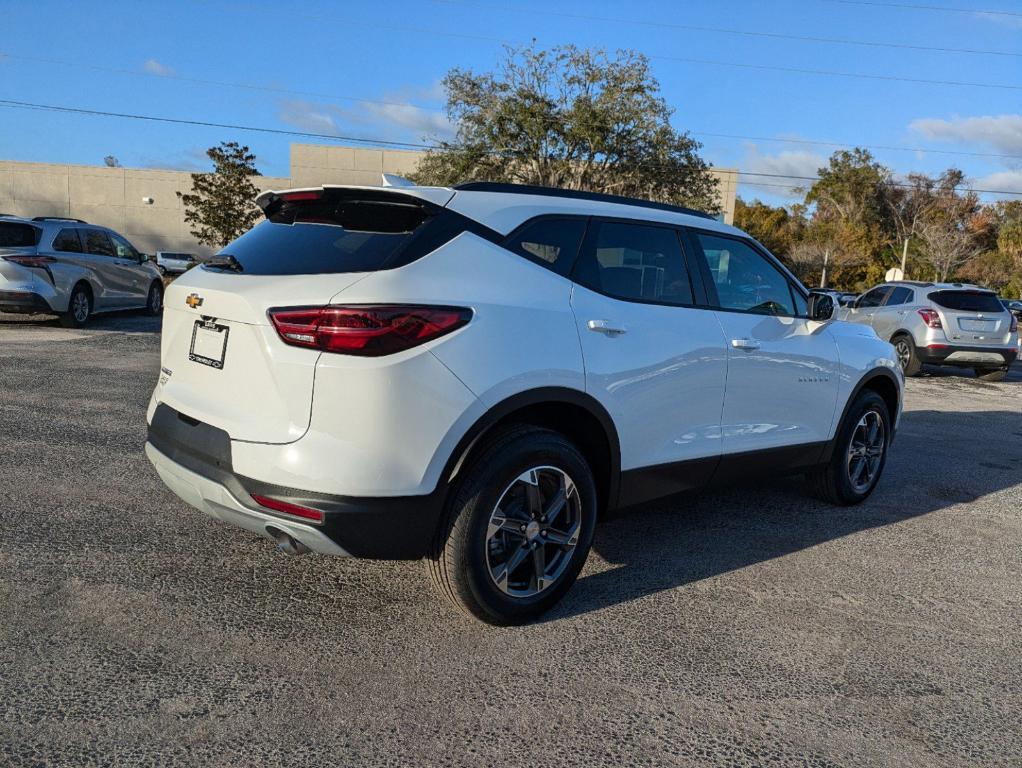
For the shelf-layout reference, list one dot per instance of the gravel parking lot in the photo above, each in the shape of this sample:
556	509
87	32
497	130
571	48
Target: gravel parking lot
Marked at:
749	626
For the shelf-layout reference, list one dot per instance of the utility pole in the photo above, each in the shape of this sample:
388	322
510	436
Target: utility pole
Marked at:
904	256
823	276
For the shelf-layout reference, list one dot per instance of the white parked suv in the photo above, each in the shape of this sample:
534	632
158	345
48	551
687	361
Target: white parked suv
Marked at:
473	375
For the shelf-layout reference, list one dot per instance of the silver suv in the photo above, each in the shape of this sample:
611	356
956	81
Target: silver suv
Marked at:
73	269
941	324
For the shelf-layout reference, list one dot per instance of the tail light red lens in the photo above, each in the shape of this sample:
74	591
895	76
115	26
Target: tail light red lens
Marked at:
289	509
366	331
39	262
930	317
1014	324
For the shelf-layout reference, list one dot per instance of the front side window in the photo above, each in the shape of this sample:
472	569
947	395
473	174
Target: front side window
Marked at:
68	241
123	248
900	295
553	243
872	299
745	279
98	243
636	262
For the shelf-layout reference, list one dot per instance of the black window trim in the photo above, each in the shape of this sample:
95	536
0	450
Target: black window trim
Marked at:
698	291
713	300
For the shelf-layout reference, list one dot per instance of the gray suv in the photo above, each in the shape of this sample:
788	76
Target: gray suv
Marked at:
73	269
942	324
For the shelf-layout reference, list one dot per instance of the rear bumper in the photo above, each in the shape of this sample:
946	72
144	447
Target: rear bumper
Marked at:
194	460
968	356
23	302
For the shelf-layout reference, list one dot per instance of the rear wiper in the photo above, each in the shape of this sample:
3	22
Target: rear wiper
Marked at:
224	261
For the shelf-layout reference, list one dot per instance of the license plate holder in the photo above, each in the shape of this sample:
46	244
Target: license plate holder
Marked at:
209	343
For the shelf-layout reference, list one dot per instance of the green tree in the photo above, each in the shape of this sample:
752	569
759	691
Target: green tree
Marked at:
851	217
570	118
775	227
221	205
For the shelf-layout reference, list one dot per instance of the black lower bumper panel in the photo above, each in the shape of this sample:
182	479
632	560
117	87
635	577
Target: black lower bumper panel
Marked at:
384	528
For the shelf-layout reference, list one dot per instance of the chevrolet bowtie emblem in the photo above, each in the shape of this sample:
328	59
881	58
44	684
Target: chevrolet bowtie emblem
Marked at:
194	300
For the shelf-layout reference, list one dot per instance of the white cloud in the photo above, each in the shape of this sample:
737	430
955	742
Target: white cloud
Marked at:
784	172
1002	132
1002	19
389	119
154	67
1004	181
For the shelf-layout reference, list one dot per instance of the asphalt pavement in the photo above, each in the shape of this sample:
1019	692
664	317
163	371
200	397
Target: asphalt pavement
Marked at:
748	626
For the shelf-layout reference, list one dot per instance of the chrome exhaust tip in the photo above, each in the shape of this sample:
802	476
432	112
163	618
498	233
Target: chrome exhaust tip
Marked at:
287	543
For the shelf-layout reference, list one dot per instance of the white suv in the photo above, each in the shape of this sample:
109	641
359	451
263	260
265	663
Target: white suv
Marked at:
473	375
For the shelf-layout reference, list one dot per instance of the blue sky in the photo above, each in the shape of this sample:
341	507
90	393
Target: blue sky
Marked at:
305	67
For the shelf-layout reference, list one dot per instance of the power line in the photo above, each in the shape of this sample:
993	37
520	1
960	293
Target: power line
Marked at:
206	124
915	7
729	31
711	62
836	73
362	140
432	110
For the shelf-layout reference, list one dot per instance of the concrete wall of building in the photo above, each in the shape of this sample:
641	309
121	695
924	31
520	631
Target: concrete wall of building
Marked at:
113	197
116	197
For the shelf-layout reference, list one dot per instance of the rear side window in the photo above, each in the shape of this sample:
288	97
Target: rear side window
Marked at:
900	295
98	243
967	301
340	231
552	242
14	234
635	262
68	241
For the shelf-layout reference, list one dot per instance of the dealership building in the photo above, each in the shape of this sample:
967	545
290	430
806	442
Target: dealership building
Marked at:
143	205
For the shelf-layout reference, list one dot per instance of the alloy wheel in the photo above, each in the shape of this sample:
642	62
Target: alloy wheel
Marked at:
904	353
533	531
865	451
80	307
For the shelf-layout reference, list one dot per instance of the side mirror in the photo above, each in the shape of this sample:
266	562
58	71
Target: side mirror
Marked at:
821	306
143	258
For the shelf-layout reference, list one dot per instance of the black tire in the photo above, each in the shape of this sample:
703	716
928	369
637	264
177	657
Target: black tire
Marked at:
163	269
79	307
908	357
460	563
833	481
991	374
154	302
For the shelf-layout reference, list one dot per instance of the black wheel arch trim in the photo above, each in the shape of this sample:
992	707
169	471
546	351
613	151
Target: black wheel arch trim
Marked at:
864	382
541	396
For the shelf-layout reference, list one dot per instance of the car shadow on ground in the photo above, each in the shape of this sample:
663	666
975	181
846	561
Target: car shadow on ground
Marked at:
127	321
687	540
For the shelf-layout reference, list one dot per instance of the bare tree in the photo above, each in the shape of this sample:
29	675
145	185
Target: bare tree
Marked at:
954	229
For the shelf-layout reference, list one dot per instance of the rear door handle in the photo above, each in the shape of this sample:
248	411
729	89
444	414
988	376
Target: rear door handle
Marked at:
607	327
748	344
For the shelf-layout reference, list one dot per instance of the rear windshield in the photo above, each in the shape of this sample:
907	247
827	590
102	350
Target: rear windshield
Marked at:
330	234
14	234
967	301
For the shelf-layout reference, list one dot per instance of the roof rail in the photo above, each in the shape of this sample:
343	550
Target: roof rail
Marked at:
59	218
574	194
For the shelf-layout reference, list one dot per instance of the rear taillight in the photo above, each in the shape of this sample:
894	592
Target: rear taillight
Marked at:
1014	323
930	317
288	508
367	331
39	262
